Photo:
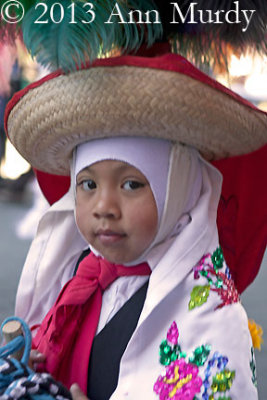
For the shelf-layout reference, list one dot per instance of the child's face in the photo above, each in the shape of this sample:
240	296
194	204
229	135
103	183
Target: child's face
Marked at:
115	210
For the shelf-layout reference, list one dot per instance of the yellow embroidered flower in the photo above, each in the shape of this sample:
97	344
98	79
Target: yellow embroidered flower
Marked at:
256	332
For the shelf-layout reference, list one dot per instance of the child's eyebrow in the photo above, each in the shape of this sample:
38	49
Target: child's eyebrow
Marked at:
118	168
86	169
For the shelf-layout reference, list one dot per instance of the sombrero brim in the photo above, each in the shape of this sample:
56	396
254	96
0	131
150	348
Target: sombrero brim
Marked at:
164	97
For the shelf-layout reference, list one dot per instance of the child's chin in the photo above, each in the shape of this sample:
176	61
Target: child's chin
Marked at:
117	258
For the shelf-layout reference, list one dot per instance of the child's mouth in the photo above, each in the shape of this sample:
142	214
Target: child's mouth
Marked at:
107	237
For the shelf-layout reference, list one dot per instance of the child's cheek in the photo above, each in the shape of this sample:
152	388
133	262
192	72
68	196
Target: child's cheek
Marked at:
81	216
146	220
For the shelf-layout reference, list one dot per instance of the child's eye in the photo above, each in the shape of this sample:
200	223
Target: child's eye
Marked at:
88	184
132	185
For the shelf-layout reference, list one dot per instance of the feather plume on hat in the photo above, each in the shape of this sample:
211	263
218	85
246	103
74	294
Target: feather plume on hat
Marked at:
66	45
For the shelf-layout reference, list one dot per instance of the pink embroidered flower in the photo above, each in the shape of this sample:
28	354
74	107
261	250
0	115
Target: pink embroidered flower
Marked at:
219	281
173	334
181	382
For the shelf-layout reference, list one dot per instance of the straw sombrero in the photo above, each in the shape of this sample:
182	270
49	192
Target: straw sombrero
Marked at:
165	97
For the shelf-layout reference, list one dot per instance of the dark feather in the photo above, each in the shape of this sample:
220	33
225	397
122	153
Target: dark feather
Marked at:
212	43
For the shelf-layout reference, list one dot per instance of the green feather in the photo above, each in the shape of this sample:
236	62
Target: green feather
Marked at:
66	45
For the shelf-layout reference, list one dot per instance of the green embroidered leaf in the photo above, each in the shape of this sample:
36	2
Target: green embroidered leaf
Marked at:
253	368
217	258
169	353
222	381
198	296
200	355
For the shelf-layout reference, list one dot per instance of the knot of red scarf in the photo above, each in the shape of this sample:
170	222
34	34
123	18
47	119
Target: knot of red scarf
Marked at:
67	332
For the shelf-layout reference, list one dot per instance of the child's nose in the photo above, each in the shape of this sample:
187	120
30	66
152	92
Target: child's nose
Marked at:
107	206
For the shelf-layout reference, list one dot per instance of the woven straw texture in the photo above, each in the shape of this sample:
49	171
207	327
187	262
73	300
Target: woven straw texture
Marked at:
50	120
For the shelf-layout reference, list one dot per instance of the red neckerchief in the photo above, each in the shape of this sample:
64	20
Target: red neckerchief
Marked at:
67	332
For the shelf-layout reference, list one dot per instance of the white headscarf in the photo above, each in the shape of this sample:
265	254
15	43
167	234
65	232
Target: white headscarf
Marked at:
172	170
192	186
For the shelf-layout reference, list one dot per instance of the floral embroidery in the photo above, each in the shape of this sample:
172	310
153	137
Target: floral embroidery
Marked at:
253	368
256	333
181	378
217	258
200	355
199	296
169	349
222	381
210	267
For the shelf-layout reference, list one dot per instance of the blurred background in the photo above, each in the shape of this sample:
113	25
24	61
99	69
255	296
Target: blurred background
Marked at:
22	204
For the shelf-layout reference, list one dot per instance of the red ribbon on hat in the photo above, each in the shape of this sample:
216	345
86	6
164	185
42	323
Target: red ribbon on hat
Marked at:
67	332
